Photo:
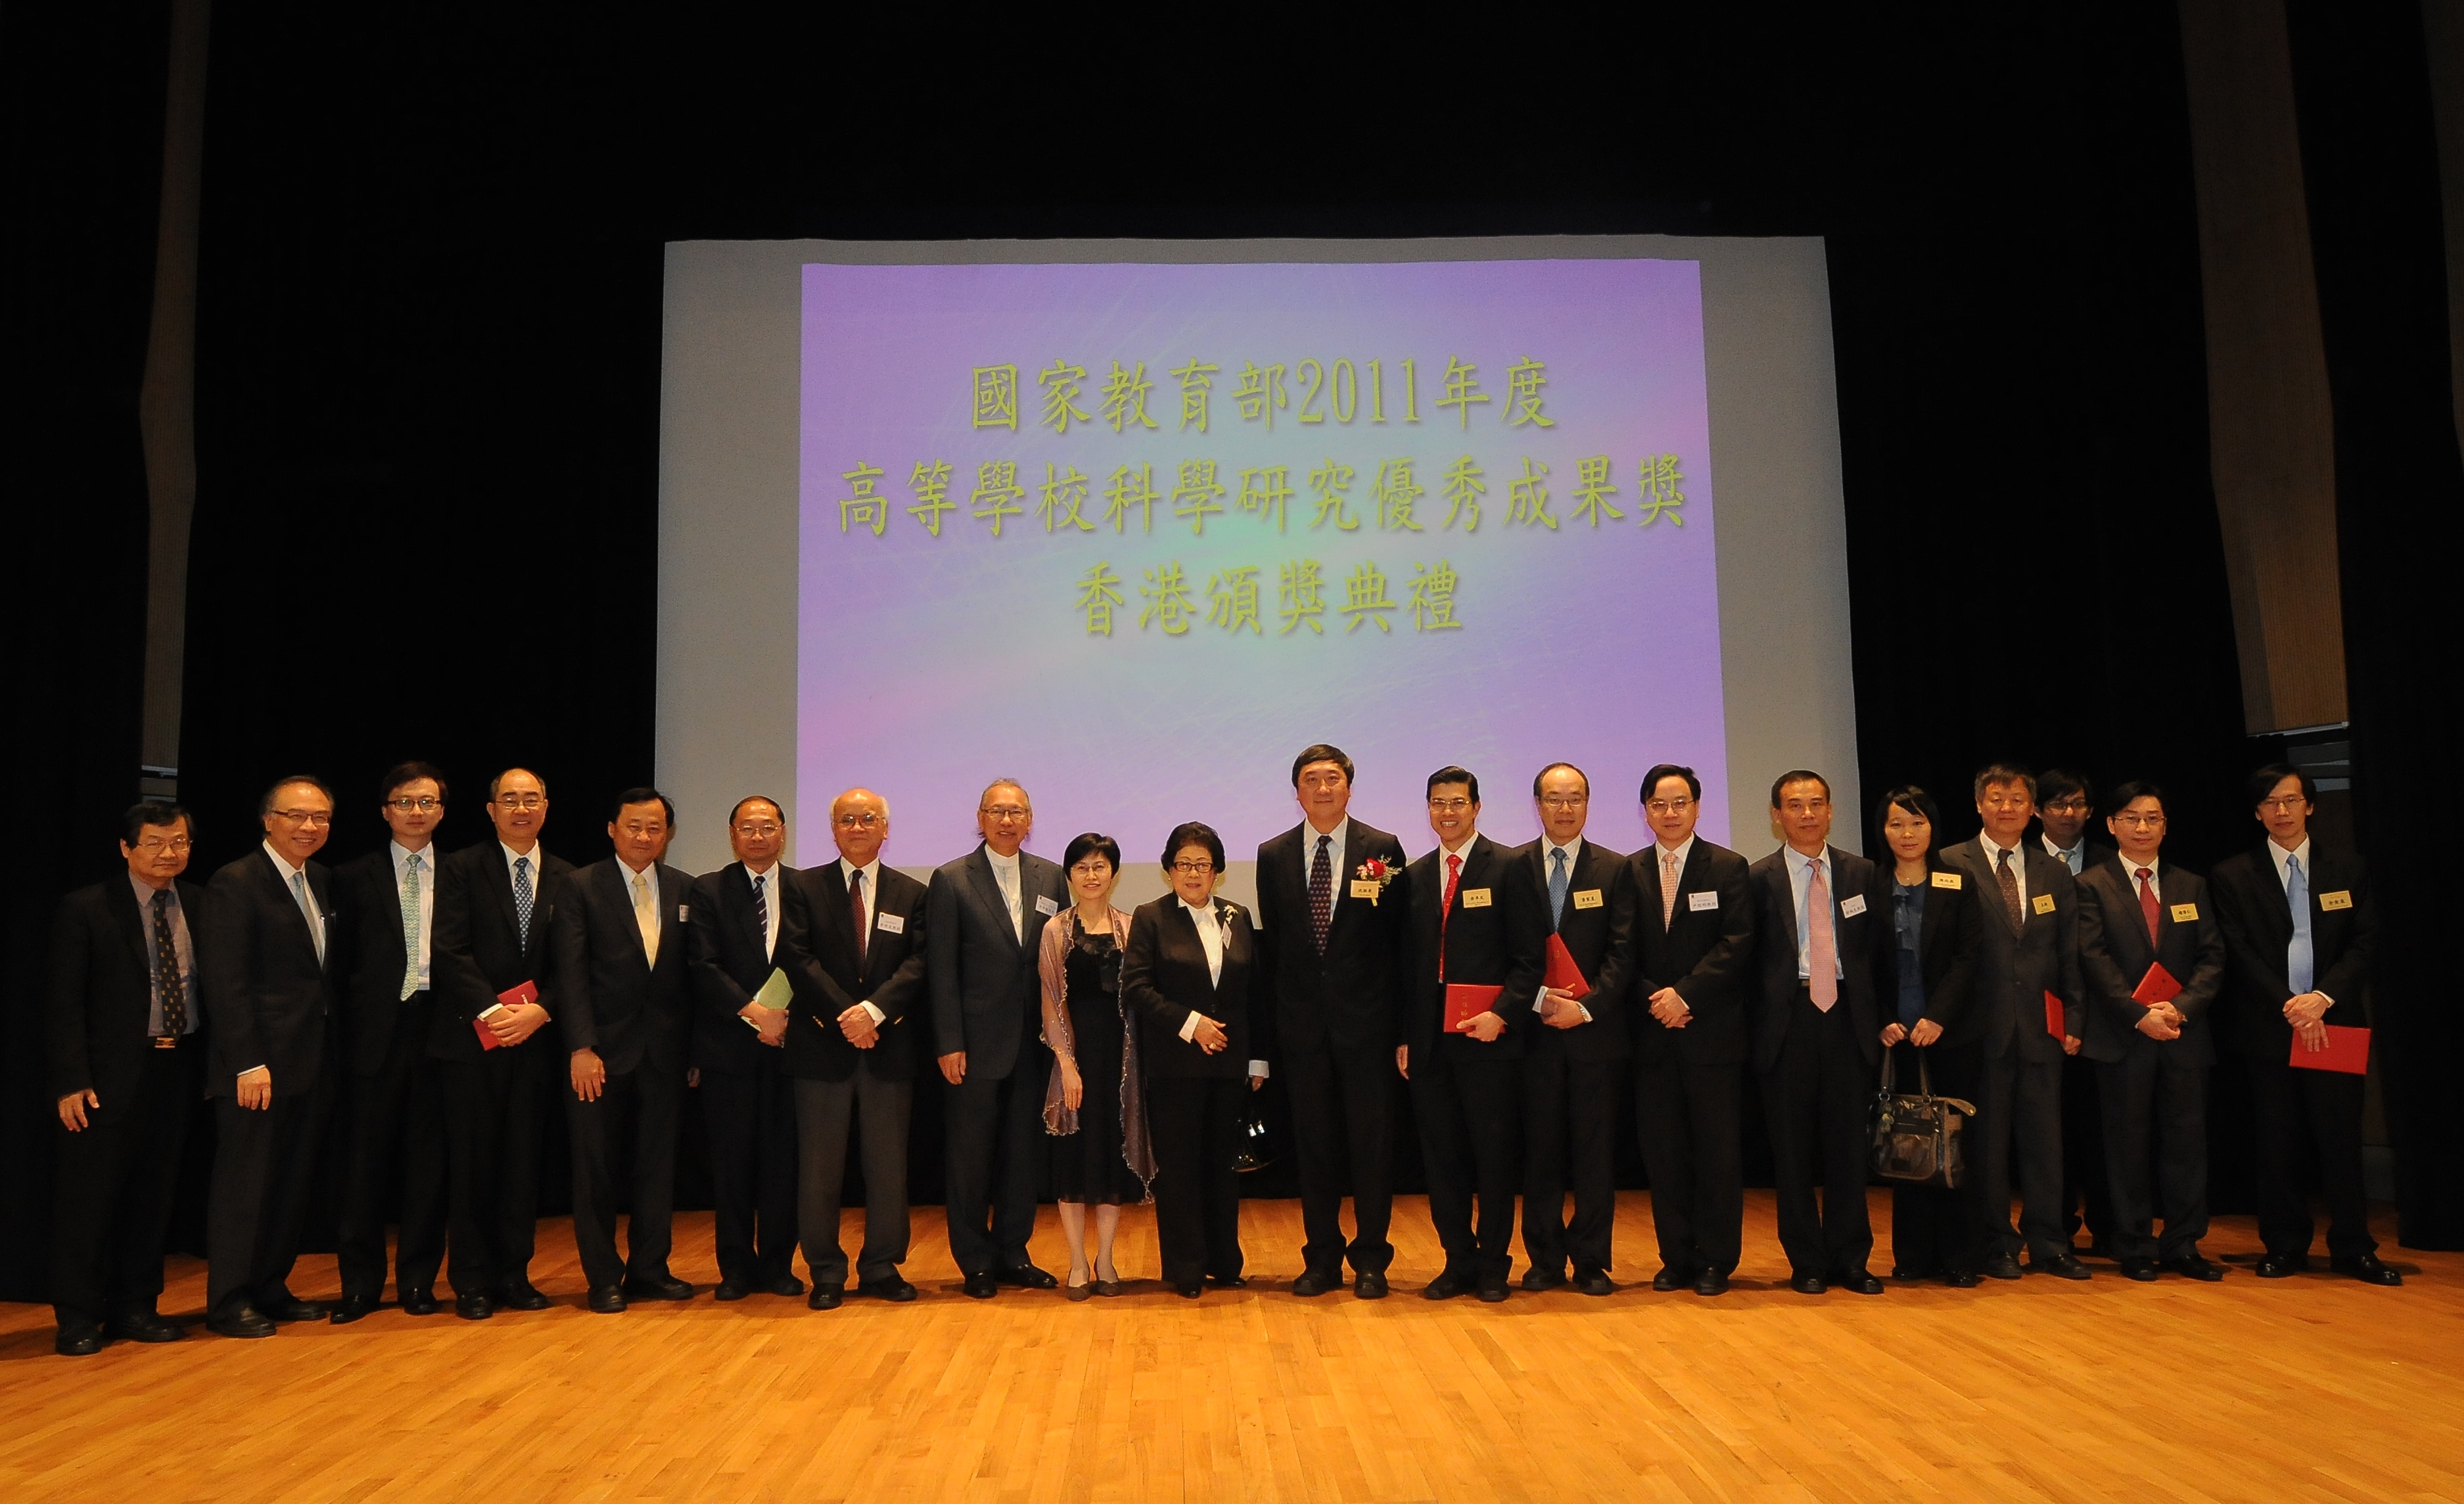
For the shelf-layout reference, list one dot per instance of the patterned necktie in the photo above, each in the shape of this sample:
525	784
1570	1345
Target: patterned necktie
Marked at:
2301	961
646	917
1557	885
308	911
2009	893
1667	889
857	917
761	910
522	900
1445	911
1009	896
1322	891
2147	903
1821	951
411	927
166	969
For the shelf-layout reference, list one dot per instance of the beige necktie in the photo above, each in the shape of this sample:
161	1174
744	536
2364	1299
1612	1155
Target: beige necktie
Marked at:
1667	889
646	917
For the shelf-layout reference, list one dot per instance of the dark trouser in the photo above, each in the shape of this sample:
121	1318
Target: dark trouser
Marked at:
625	1143
1568	1138
879	1111
996	1146
2298	1109
263	1162
2087	1195
1196	1125
1344	1100
2155	1105
1933	1229
495	1112
751	1121
396	1127
2019	1115
1469	1114
1688	1116
117	1178
1815	1100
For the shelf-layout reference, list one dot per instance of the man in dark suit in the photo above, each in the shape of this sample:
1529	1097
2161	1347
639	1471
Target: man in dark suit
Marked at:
851	1048
1466	1082
2065	802
126	1063
1693	938
2028	908
496	907
987	915
2152	1052
1576	890
2300	926
1817	1035
748	919
623	1000
1333	927
269	929
394	1093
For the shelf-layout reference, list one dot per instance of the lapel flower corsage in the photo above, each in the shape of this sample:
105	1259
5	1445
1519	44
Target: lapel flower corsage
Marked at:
1376	870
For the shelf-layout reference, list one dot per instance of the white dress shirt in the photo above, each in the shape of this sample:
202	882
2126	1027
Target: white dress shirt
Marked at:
2073	856
1009	875
651	876
1211	939
769	907
1994	869
419	963
1799	886
2285	879
1341	881
869	895
294	883
1574	854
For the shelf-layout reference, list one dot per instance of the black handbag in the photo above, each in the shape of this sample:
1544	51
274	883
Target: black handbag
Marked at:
1917	1137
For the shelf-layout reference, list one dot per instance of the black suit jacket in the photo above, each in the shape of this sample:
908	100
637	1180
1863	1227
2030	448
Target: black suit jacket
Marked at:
1857	935
1704	952
1351	997
102	986
1163	980
1600	935
267	993
727	963
372	959
1948	942
2013	972
609	997
479	951
987	997
2114	958
830	982
1479	952
2259	924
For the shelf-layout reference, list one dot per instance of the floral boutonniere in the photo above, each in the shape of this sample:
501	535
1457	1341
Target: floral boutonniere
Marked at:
1374	872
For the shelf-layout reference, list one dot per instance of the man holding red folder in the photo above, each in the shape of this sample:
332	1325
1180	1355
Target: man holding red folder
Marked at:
2151	959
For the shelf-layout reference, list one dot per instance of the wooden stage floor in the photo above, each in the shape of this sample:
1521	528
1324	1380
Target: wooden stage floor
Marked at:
2307	1389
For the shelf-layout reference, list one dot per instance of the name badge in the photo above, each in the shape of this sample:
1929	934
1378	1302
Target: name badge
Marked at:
1702	903
1364	887
1474	898
2044	903
1587	898
684	913
1046	905
2342	898
1852	906
2186	913
890	923
1947	879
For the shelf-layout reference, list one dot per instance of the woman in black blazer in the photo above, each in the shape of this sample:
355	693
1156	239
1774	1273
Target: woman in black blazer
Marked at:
1188	975
1922	984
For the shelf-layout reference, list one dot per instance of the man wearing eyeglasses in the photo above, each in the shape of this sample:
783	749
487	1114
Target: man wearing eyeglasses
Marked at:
986	913
2065	803
269	923
748	919
496	905
395	1092
126	1062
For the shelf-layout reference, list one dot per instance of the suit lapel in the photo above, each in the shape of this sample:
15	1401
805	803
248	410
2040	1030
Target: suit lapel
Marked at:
134	923
274	880
979	868
1784	897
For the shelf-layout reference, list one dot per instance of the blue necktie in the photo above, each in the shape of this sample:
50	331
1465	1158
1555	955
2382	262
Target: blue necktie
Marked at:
761	912
2299	959
522	899
1557	885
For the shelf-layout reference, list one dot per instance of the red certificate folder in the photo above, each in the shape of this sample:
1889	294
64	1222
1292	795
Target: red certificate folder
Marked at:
2348	1050
2156	987
515	997
2057	1017
1465	1001
1563	973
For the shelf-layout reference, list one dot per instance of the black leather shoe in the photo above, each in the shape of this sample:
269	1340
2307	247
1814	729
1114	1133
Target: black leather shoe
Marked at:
1316	1283
1026	1276
239	1320
894	1287
1962	1278
1710	1282
1537	1278
607	1299
2061	1266
1807	1285
2190	1266
2001	1266
784	1285
139	1324
473	1308
1595	1282
2366	1268
79	1338
665	1288
732	1288
2283	1266
520	1295
1914	1271
1222	1281
1671	1278
983	1286
1370	1285
290	1308
1189	1289
419	1300
2141	1270
1860	1282
1492	1292
1448	1285
350	1308
826	1297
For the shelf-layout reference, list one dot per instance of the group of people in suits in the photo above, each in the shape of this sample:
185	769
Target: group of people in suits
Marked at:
449	1003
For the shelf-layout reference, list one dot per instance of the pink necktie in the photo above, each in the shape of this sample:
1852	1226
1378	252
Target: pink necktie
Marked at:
1821	954
1667	889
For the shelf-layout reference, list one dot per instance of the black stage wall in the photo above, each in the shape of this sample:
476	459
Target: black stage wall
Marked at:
429	376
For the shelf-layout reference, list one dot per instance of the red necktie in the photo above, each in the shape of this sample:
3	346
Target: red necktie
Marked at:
2147	905
1454	876
855	912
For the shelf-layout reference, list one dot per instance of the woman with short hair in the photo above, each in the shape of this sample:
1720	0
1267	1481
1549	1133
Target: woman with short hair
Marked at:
1094	1107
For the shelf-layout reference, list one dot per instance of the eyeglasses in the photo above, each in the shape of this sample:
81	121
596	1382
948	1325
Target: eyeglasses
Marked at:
176	845
2068	807
2285	805
1005	812
1092	869
1564	801
761	831
1193	868
424	805
1668	806
2006	802
519	802
2139	821
305	817
1449	806
865	821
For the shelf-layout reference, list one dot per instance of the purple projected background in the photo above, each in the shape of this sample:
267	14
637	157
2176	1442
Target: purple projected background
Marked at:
928	665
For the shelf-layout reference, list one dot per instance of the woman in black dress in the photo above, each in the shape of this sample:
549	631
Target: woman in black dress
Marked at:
1094	1108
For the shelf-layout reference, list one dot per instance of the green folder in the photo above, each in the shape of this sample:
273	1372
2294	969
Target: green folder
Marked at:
778	991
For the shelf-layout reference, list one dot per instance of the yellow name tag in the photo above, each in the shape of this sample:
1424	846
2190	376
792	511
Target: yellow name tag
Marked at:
2342	898
2044	903
1947	880
1474	898
2186	913
1363	887
1587	898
